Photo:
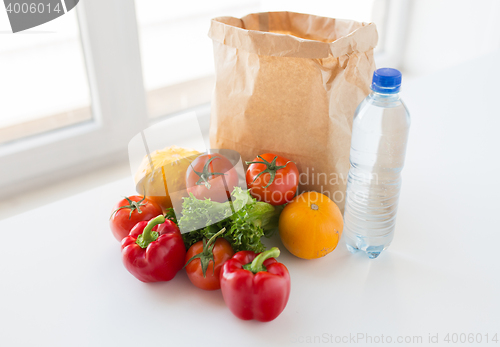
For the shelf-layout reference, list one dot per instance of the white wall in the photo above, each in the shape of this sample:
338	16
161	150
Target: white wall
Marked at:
444	33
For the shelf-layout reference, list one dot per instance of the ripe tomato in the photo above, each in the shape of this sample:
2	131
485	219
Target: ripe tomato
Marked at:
200	260
130	211
272	179
206	175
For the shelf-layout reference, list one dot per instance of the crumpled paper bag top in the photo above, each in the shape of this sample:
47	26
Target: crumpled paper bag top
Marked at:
290	34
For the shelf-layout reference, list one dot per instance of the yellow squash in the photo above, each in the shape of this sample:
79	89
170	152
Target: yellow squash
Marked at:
165	165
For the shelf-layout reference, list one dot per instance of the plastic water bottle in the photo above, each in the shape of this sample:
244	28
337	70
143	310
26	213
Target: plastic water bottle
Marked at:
378	146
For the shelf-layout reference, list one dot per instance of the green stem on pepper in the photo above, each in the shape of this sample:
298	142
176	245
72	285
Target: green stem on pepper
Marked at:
257	264
148	235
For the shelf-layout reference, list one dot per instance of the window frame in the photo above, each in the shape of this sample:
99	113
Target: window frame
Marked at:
110	43
108	30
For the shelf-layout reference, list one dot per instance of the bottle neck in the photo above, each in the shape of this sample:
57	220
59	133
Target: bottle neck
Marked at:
388	97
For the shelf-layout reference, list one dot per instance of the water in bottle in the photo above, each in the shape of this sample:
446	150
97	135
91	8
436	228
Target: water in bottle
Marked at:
379	136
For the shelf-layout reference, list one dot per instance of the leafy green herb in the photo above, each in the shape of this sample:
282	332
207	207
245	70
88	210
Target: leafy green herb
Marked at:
250	221
170	214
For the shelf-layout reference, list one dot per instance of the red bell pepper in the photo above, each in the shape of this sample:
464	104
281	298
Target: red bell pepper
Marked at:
255	286
153	252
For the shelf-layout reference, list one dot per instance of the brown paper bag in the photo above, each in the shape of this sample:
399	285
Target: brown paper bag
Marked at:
289	84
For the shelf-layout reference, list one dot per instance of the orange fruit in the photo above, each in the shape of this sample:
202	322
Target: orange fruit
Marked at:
310	225
166	165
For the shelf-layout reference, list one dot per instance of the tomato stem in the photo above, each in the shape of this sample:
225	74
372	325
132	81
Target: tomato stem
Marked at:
132	205
272	168
207	253
257	265
206	174
148	235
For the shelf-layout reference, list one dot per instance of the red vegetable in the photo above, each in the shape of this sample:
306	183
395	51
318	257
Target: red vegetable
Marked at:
272	178
153	252
130	211
204	261
255	286
211	176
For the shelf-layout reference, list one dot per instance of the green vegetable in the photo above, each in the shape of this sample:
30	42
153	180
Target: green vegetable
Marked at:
170	214
244	228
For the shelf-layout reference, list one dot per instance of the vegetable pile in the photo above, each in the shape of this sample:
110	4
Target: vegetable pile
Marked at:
222	225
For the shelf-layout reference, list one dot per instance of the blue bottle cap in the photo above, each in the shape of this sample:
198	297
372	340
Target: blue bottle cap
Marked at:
386	80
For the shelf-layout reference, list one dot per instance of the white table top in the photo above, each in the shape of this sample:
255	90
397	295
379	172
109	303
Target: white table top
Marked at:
63	283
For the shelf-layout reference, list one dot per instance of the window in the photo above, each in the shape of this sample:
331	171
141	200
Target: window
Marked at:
109	41
44	77
177	58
